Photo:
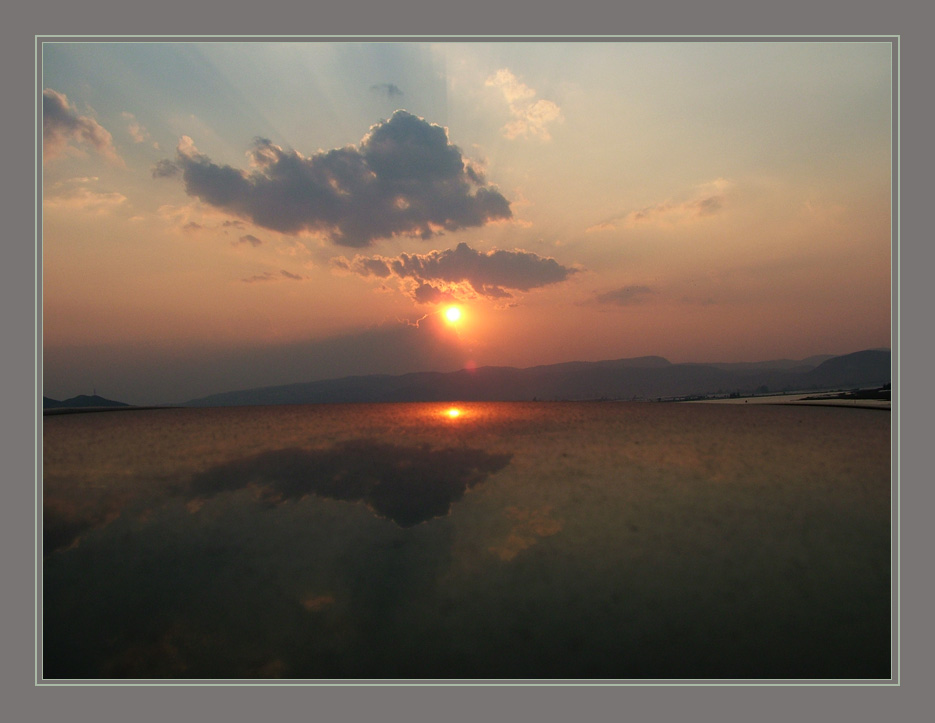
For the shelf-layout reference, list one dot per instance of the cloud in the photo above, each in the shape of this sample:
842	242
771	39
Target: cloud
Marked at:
603	226
249	239
405	179
708	200
676	212
62	126
531	117
389	88
529	526
166	169
272	276
625	296
66	520
407	485
84	200
189	217
137	132
441	275
428	294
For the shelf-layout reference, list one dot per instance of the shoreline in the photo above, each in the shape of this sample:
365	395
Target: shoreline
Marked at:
84	410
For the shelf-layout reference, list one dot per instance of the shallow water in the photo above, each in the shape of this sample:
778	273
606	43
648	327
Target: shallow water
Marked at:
514	541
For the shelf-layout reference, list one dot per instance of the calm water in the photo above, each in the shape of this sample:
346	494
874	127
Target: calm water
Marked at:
514	541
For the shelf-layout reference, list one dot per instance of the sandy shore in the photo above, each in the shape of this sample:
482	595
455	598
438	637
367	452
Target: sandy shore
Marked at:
806	399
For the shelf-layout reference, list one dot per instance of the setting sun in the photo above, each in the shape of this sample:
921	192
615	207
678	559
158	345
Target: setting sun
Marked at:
454	412
453	314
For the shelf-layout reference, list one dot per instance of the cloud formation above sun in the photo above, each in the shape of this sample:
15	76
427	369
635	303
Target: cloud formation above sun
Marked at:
444	275
404	179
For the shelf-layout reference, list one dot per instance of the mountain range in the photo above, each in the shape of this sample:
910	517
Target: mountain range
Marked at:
641	378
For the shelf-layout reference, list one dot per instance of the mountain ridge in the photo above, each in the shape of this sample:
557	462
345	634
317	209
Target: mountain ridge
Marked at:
638	378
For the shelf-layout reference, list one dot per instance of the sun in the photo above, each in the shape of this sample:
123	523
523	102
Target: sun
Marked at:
453	314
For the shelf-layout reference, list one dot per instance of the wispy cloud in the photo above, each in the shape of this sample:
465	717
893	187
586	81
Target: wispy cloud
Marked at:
530	117
62	127
283	275
443	275
389	89
625	296
136	130
404	179
249	239
708	200
80	198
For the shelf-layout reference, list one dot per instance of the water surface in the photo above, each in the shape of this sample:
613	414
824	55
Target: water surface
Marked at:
513	541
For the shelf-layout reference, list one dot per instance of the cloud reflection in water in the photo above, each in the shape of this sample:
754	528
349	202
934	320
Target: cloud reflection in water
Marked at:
406	484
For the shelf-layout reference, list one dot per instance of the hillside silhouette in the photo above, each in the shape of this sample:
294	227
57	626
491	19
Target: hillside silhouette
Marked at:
642	378
82	401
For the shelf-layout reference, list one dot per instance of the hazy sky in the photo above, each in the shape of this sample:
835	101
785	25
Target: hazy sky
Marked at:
220	216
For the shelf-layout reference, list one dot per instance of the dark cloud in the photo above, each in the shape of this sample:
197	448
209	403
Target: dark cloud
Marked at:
61	125
365	266
166	169
249	239
192	226
708	206
489	274
389	88
405	179
428	294
625	296
407	485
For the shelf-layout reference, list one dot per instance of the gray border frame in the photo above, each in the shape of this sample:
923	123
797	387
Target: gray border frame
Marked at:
893	41
839	17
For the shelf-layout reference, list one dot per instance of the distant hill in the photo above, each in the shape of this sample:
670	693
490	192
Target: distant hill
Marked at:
787	364
851	370
82	401
643	378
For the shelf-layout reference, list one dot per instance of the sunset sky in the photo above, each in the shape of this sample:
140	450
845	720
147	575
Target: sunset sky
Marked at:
220	216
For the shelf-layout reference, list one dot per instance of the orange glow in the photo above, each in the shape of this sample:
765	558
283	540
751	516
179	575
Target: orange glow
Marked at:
453	314
453	413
